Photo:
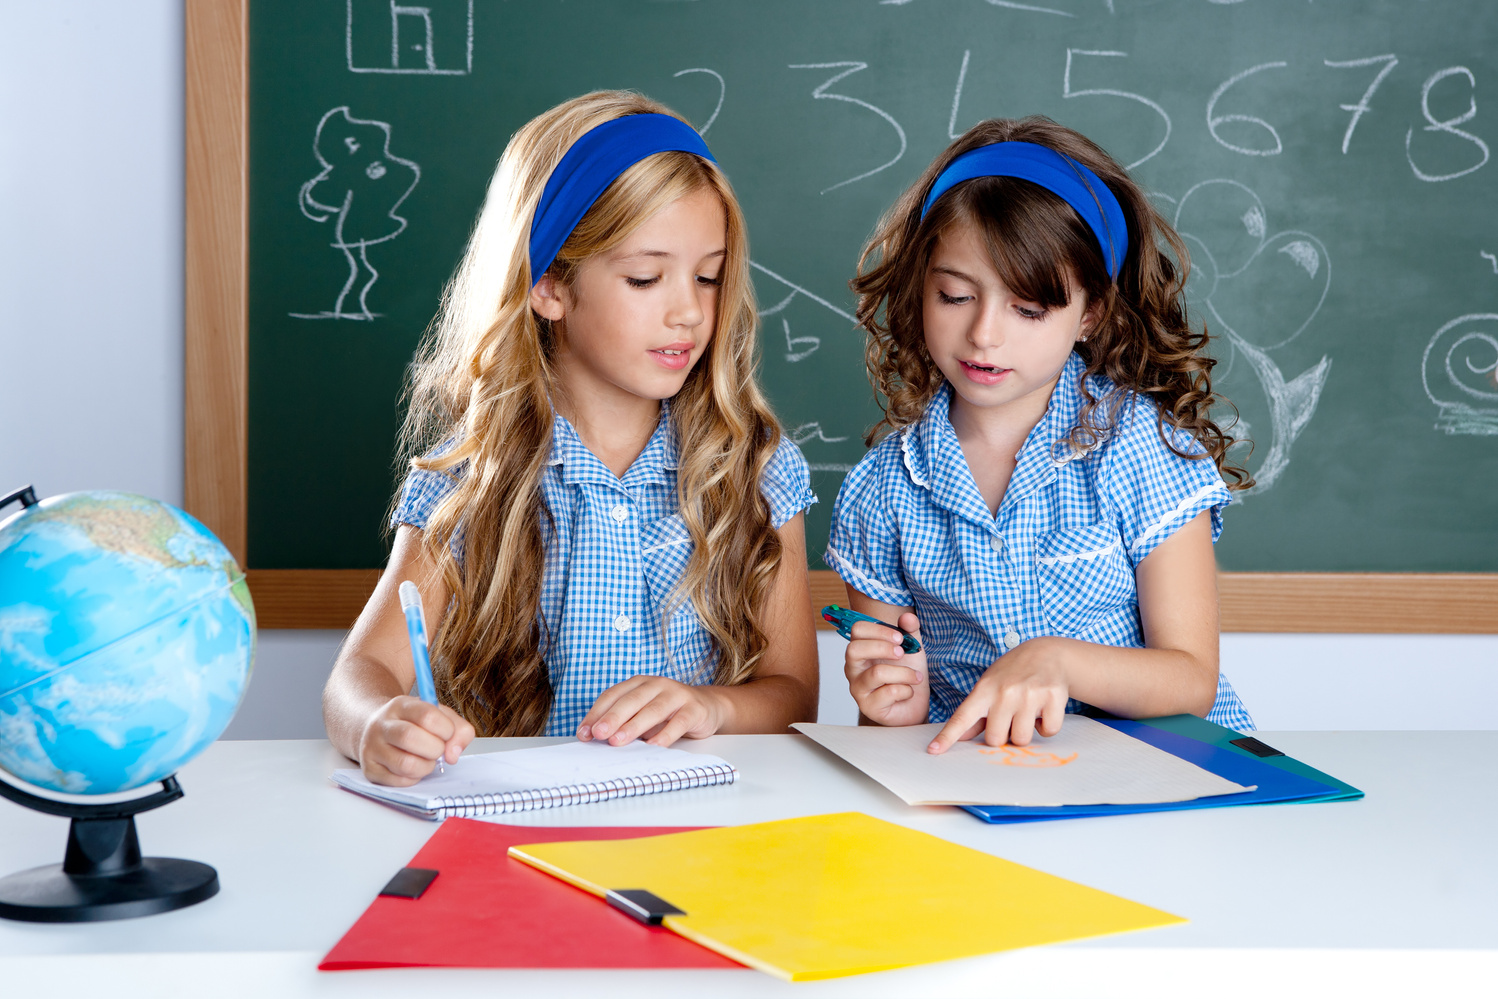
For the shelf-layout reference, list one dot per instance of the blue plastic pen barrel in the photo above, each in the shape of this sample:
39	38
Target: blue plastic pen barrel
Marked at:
416	628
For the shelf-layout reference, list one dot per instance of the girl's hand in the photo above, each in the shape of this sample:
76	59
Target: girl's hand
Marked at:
889	684
1024	686
403	740
655	709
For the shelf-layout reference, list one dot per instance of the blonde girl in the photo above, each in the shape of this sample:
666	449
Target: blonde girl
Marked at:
1042	507
601	513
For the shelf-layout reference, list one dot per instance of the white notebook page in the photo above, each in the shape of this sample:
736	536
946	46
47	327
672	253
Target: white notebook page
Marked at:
565	765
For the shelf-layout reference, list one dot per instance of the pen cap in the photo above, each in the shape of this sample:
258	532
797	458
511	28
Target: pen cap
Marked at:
410	597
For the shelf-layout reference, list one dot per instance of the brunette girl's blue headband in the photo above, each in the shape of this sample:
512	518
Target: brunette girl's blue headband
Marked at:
1057	173
594	162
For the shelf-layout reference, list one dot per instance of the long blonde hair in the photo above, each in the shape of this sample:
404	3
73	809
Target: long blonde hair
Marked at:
482	385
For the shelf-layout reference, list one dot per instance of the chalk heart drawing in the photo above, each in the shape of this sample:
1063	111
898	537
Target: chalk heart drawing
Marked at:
1460	371
359	189
1024	756
1261	289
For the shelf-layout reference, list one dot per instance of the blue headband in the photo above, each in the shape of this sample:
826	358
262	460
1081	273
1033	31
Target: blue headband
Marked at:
594	162
1057	173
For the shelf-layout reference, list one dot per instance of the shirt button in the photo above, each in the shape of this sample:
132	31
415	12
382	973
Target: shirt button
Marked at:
996	543
1011	639
620	515
622	622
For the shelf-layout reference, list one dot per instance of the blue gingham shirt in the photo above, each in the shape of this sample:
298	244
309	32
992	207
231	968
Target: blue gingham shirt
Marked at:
911	529
618	549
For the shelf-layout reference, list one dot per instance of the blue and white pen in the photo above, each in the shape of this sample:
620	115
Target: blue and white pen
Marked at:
416	630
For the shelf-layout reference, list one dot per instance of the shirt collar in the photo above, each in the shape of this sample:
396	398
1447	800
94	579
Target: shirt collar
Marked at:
934	460
581	465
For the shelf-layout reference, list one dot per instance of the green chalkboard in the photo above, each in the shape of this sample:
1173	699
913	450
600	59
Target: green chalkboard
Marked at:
1327	162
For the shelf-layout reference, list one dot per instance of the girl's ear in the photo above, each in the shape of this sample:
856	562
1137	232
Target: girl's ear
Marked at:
546	299
1090	318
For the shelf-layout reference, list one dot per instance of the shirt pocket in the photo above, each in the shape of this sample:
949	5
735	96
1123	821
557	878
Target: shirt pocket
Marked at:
1083	575
665	550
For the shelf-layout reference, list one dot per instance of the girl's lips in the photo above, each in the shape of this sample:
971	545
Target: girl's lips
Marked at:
674	357
983	376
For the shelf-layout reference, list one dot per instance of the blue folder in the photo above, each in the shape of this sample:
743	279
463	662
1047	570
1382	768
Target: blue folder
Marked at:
1272	783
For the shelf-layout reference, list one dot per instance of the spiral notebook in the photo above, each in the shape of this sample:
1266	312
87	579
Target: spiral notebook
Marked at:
520	780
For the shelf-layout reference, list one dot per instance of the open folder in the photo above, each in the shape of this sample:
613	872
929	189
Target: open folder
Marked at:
831	895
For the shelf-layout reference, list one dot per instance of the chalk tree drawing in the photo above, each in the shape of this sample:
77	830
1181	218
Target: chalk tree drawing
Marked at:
1460	372
1262	292
360	187
434	38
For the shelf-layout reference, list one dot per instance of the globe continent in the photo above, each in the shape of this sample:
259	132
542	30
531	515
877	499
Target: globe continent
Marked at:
126	641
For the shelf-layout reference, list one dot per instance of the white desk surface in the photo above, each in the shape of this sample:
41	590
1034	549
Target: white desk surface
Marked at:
1393	894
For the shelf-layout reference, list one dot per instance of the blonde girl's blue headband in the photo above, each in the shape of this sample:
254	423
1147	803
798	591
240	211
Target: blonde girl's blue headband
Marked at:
1057	173
594	162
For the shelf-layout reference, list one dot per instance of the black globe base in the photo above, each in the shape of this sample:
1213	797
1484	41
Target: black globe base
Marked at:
102	875
159	884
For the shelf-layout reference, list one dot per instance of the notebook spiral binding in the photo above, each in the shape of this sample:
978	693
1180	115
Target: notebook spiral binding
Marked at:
465	806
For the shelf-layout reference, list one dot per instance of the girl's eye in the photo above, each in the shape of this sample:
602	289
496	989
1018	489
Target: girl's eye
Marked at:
946	299
634	282
1030	312
711	281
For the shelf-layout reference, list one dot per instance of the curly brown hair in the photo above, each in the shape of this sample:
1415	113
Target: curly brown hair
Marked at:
1039	245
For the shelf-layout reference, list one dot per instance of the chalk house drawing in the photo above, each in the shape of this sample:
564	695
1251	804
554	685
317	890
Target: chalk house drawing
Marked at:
434	38
1262	290
1460	372
360	188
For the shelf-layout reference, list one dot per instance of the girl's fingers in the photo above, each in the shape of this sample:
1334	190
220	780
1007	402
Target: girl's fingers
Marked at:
1022	727
1052	716
654	711
677	726
623	707
605	701
968	714
874	677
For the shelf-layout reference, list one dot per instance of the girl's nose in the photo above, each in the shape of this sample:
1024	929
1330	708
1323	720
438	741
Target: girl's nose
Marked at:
987	329
685	308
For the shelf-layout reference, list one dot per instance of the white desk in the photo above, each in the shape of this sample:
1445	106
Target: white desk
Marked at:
1394	894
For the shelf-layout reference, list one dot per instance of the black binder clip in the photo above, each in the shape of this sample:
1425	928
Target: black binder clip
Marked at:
645	906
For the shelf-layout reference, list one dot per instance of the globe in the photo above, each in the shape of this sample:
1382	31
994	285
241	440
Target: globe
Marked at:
127	637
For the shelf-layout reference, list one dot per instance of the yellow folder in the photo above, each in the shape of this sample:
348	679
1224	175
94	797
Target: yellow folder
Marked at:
831	895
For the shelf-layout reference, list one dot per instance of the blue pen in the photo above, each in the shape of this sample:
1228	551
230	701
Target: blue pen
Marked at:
842	619
416	630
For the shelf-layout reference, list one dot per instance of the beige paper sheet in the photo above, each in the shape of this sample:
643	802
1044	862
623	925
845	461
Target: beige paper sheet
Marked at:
1086	763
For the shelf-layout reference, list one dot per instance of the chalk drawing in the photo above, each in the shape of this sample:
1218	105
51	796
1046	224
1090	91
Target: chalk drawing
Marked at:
812	431
952	132
360	187
412	32
1362	107
1448	126
1460	372
1484	254
1004	3
1213	121
1068	92
796	289
1254	303
821	94
793	354
722	92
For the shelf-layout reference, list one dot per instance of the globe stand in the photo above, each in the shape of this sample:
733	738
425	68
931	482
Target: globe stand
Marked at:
102	875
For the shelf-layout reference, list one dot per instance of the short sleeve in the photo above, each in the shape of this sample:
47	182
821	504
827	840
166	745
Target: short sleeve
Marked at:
420	494
1155	491
786	483
864	548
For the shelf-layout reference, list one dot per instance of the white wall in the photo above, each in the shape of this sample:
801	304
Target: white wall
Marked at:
91	368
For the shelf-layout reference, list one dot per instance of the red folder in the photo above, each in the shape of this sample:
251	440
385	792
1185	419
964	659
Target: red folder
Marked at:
485	910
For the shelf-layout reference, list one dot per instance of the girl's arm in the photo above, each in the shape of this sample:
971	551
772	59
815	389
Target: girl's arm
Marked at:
1175	673
366	707
783	689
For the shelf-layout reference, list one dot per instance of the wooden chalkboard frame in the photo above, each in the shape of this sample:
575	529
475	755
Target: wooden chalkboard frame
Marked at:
217	406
